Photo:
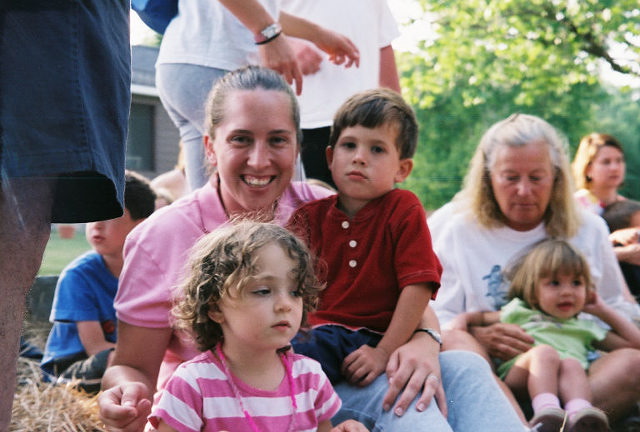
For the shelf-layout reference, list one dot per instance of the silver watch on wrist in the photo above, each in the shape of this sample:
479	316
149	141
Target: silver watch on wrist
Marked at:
268	33
435	335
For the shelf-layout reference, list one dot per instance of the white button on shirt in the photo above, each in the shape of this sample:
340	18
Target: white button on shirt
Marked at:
345	224
353	263
353	243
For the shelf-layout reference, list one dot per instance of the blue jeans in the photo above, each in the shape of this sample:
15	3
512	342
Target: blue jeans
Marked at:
183	90
474	400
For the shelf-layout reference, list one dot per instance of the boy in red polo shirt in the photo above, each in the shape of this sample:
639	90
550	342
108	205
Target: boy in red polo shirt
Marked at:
371	240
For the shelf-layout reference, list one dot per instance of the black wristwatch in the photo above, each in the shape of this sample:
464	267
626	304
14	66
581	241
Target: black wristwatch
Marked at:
431	332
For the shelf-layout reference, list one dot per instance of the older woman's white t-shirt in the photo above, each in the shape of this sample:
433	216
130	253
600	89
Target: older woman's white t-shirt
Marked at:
473	258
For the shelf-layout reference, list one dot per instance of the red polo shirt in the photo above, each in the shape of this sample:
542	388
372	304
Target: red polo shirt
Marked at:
367	260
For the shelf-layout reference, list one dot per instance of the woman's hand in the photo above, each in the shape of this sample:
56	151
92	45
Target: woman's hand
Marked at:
414	368
501	340
130	381
458	323
125	408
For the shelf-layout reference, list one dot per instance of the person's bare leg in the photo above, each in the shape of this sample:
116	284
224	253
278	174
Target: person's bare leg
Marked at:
615	382
574	382
25	223
535	372
461	340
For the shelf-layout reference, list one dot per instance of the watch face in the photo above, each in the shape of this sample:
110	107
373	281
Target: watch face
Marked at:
269	32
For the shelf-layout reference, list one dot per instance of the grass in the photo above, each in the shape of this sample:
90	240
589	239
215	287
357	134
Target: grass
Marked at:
60	252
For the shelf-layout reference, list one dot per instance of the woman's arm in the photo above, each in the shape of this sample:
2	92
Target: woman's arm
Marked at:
474	319
130	382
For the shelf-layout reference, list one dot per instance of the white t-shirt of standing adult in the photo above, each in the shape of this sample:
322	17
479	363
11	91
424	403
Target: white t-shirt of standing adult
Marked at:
370	26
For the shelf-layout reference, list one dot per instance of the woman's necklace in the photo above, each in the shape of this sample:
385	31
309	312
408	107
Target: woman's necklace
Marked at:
292	390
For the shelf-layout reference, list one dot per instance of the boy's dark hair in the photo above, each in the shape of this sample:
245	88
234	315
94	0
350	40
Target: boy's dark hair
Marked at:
376	107
139	198
618	215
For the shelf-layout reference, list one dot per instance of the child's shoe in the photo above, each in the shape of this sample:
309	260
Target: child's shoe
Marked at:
548	420
589	419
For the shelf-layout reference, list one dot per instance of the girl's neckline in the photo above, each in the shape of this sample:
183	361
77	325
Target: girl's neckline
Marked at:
286	362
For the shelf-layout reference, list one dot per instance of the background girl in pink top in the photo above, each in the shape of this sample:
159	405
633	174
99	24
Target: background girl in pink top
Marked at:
249	288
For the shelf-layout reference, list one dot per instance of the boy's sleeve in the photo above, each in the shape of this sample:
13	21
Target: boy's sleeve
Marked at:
73	299
415	260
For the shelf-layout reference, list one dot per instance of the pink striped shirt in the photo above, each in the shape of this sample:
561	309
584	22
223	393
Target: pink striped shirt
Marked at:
199	397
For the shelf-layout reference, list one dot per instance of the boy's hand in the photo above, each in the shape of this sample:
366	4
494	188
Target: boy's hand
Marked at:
364	365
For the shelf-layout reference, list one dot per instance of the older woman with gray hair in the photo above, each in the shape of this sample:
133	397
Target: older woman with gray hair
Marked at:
518	191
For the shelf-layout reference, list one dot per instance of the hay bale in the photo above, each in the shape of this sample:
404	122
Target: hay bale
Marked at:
39	406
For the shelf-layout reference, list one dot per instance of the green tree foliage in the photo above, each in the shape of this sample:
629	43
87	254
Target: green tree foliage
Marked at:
487	59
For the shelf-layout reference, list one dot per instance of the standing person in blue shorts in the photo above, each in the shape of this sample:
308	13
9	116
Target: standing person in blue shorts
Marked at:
64	105
84	320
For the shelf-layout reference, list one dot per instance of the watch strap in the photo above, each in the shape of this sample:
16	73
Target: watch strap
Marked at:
435	335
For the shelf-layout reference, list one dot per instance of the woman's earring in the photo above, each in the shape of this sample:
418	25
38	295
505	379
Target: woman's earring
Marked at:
588	178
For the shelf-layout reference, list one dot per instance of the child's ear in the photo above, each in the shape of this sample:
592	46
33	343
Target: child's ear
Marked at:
215	314
404	169
329	154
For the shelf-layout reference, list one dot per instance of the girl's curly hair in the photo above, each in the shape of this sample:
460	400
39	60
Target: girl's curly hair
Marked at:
222	263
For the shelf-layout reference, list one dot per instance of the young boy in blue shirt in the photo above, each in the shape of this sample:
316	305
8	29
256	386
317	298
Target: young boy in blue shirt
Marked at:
84	319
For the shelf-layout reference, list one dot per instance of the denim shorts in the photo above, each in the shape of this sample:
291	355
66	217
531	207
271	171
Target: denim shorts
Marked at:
330	344
65	96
